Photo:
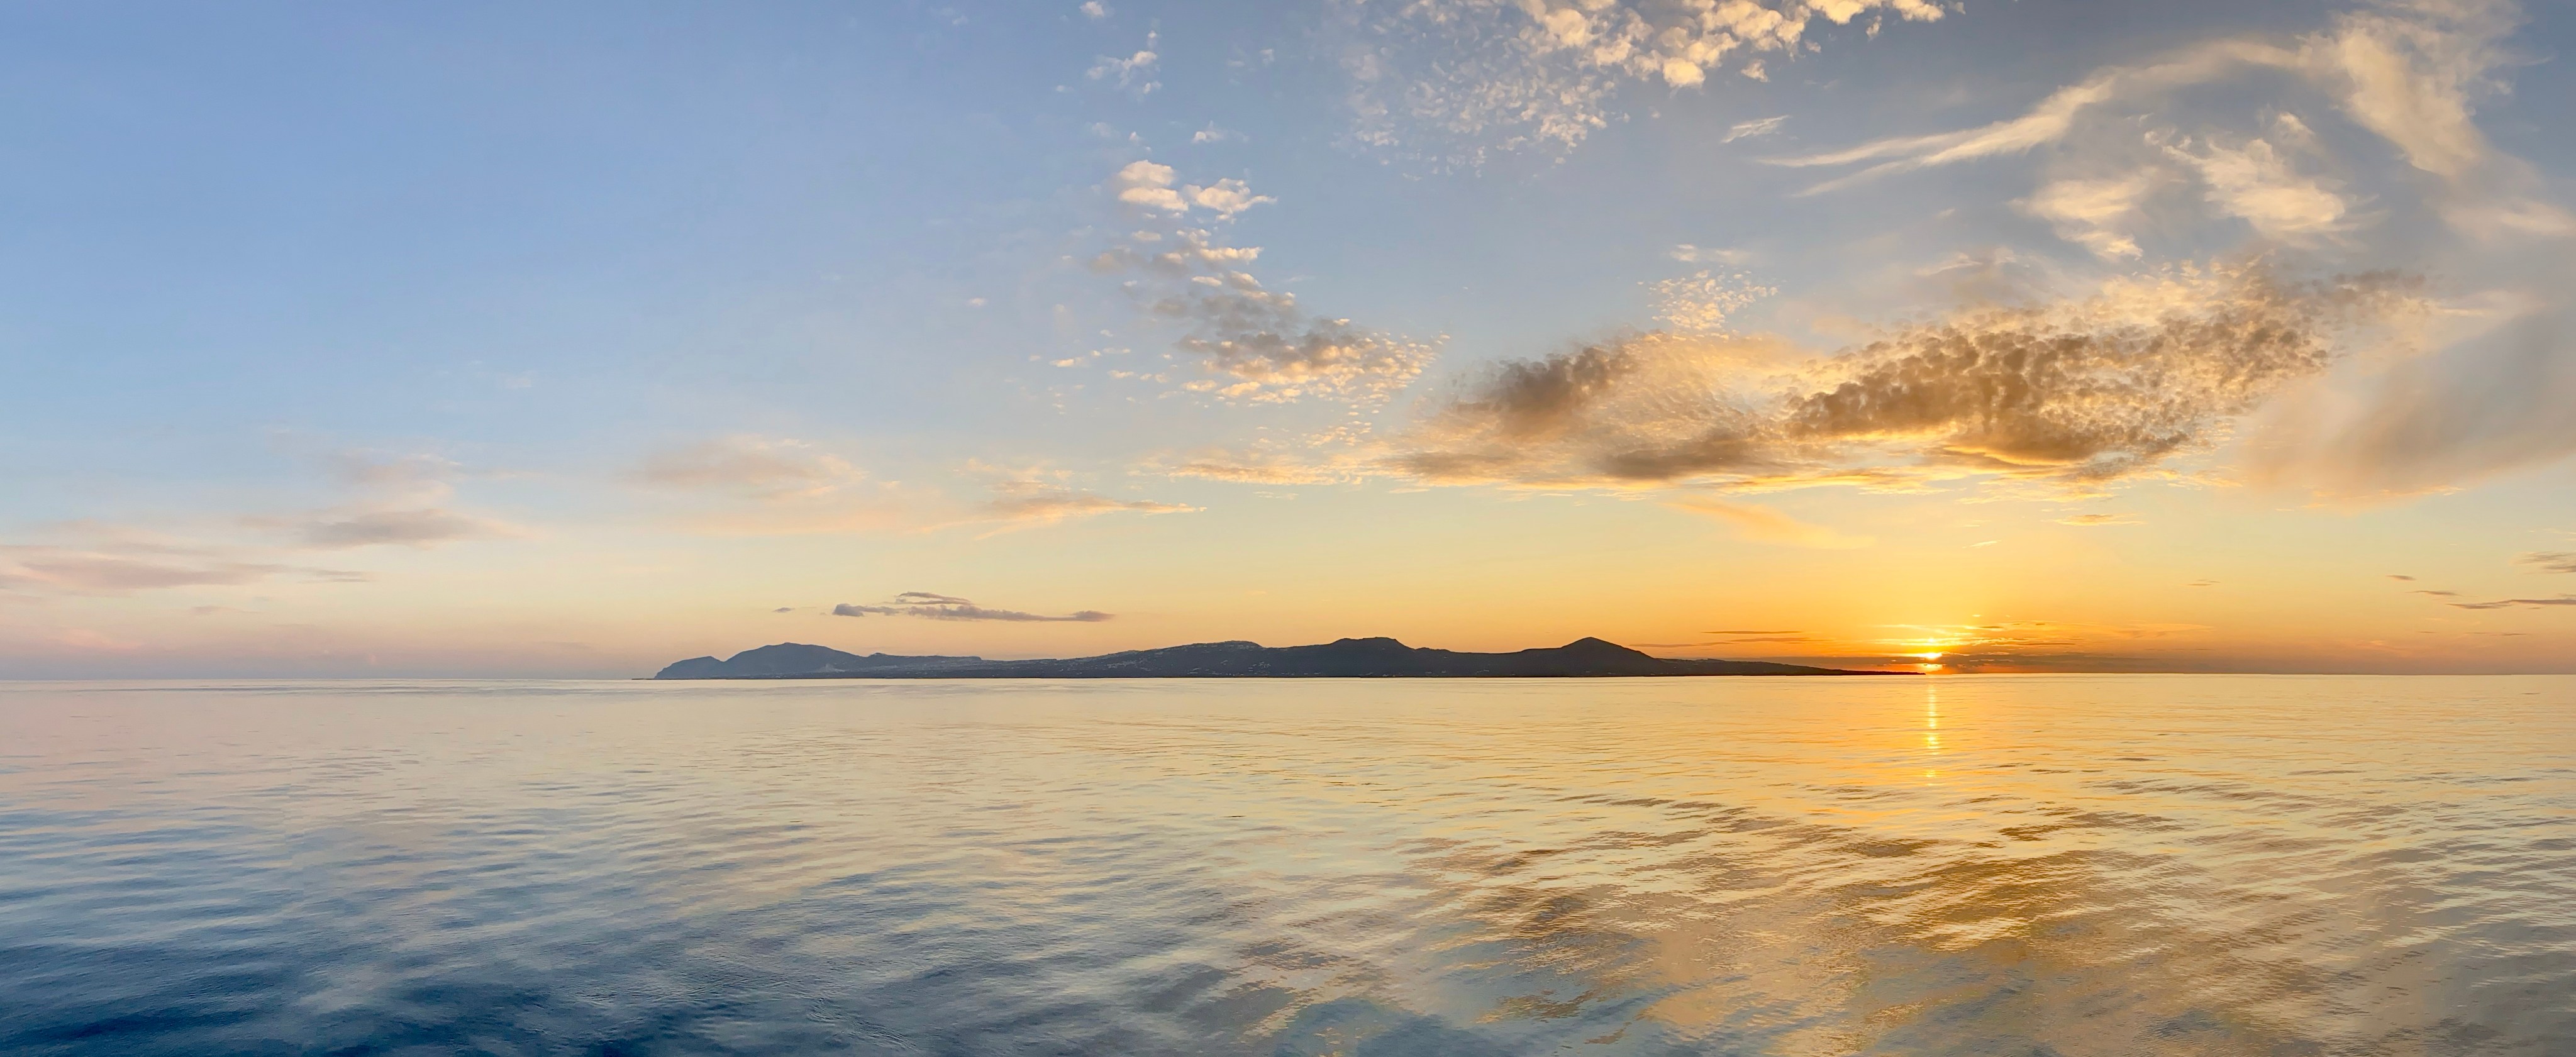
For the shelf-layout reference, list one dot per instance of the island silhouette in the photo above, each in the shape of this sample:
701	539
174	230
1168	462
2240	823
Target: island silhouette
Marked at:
1339	659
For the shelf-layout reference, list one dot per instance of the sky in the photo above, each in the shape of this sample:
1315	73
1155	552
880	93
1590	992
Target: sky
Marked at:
2007	335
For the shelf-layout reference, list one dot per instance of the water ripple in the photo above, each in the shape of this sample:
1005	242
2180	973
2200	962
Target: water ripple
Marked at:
1980	865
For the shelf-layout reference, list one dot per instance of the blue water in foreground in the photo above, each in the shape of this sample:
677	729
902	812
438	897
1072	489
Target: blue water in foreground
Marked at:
2073	865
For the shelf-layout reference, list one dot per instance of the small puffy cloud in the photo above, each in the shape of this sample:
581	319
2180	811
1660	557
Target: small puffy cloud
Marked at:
1225	197
1134	73
1094	10
928	606
1213	134
1762	524
1146	185
1690	254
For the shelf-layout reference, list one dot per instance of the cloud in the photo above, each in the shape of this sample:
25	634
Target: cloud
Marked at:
1025	503
1700	303
1265	348
762	466
1094	10
1225	197
2077	393
2401	576
2095	214
109	560
2561	600
1756	127
1213	134
1134	73
423	527
2405	71
2047	121
1762	524
2255	181
93	573
401	500
1148	186
2094	520
1689	254
929	606
1253	344
2549	561
1454	83
1260	467
1048	506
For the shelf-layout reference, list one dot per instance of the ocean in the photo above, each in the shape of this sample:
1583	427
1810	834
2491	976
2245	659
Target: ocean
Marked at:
1988	865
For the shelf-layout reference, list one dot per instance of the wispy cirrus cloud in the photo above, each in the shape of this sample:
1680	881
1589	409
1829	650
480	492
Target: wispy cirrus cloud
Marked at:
1762	524
2549	561
400	500
2516	603
1023	503
101	559
766	467
928	605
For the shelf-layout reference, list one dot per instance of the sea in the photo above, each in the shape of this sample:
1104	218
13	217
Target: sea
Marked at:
1972	865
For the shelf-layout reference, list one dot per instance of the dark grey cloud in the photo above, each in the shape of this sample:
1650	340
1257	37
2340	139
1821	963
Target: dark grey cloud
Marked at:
929	606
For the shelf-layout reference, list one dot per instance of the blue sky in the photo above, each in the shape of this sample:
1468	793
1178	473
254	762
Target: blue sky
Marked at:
364	340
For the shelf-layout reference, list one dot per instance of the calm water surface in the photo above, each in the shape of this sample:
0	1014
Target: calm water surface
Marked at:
1979	865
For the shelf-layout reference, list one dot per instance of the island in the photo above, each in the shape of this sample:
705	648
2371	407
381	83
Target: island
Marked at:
1340	659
